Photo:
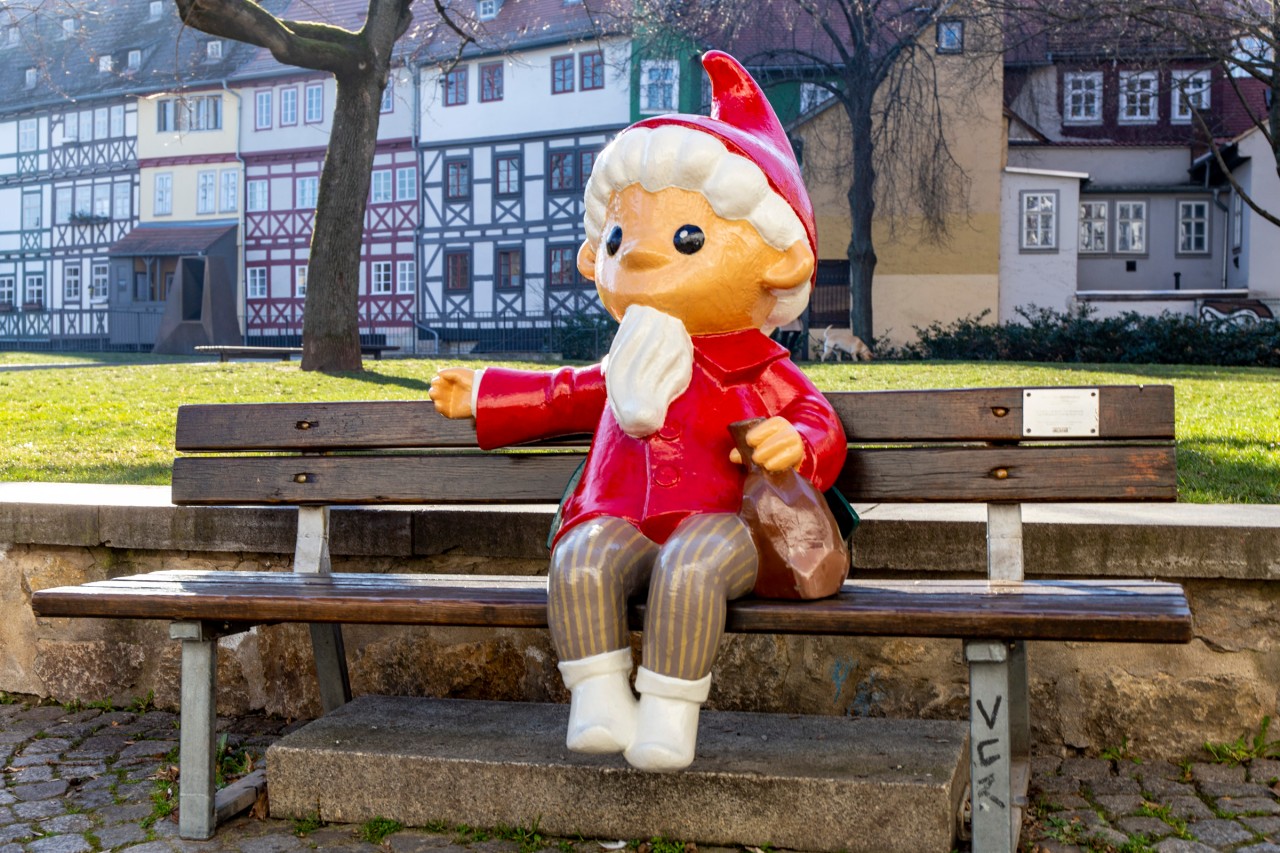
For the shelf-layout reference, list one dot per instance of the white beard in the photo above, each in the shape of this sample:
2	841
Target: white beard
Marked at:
648	366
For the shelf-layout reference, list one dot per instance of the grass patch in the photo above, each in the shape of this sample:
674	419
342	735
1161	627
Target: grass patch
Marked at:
306	825
1120	753
1241	749
115	423
376	829
1164	813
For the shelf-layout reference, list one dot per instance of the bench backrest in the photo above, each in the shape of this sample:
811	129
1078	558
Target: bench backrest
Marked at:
1002	445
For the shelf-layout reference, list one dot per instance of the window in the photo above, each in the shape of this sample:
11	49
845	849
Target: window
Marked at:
98	284
455	87
487	10
28	134
68	27
457	179
1190	94
562	267
262	110
510	269
658	83
84	200
31	204
256	286
508	175
561	74
255	196
315	103
206	192
62	205
156	7
389	96
30	78
1082	98
586	162
8	291
102	200
1138	104
457	270
1237	220
121	201
300	281
813	96
561	173
100	123
1131	227
105	64
229	191
213	49
380	282
71	283
194	113
164	194
33	292
406	276
592	76
12	36
950	36
1039	221
491	82
1193	227
288	105
406	183
305	192
381	186
133	60
116	121
1093	226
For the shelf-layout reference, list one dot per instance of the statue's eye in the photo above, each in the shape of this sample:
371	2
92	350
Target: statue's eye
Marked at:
614	240
688	239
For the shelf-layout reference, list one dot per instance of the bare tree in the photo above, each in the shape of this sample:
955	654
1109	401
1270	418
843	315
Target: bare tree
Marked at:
879	61
360	61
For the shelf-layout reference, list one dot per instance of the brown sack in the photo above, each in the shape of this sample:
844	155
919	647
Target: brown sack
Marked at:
802	554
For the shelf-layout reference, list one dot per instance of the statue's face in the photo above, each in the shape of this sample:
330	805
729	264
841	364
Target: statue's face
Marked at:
669	250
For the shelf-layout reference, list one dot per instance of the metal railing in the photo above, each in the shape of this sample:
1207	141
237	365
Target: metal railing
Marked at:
79	329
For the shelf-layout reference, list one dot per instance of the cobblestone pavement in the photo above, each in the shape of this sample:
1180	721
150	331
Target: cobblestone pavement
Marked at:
81	781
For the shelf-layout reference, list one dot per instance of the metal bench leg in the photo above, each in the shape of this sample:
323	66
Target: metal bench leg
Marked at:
196	813
312	557
998	760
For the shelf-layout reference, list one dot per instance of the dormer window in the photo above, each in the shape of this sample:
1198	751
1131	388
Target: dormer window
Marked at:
105	65
12	36
134	60
31	78
486	10
68	27
213	50
157	6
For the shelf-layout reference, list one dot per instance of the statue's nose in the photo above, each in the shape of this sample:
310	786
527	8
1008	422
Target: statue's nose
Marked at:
642	259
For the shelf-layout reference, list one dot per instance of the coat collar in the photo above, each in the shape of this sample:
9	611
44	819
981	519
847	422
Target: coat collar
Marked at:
735	356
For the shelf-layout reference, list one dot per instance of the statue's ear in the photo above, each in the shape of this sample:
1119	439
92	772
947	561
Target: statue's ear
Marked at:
795	266
587	260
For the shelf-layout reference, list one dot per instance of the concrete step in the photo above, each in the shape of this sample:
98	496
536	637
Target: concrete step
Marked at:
798	782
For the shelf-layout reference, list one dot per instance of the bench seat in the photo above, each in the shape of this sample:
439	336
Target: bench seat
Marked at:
1102	610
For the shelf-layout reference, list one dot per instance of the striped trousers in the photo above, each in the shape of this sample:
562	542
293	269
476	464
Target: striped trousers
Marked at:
708	560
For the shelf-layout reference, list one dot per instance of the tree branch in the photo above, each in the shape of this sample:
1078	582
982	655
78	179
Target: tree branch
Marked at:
320	47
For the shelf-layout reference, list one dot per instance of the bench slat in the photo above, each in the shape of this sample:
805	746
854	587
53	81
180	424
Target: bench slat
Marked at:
1064	473
1126	412
1114	611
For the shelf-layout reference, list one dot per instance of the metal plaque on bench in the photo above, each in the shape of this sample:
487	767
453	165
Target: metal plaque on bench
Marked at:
1060	413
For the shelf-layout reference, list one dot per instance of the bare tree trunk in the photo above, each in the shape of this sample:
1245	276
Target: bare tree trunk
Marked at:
330	321
862	208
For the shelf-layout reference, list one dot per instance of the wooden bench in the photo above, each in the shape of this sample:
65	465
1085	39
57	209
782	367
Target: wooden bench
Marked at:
227	351
1001	446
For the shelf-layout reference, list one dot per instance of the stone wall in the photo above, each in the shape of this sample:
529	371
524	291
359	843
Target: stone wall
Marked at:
1167	700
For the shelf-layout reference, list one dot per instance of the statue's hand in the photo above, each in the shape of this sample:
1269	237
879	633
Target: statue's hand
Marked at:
775	445
451	392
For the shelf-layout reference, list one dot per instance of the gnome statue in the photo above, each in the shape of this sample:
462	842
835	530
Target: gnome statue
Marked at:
700	240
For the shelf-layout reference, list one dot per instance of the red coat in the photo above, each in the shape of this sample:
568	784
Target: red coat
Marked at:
683	468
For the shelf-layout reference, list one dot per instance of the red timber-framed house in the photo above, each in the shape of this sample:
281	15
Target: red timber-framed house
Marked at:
287	115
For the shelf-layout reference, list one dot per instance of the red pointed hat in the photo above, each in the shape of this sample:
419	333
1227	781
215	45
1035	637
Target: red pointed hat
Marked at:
743	119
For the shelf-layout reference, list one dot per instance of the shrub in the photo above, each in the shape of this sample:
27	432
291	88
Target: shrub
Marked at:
1078	336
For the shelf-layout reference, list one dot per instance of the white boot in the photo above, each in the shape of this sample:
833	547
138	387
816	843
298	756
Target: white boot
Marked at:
602	708
667	731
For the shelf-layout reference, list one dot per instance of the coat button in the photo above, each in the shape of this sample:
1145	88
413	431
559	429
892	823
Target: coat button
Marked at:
666	475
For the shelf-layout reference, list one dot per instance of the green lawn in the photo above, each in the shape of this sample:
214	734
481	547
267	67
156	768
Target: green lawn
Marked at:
114	423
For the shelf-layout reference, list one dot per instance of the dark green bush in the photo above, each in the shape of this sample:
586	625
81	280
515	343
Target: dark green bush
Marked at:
1079	336
584	336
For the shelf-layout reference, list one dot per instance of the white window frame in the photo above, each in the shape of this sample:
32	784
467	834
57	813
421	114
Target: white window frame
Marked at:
659	75
71	281
9	289
62	205
407	183
101	123
406	276
32	214
1193	240
1038	226
381	188
1094	240
1131	227
228	191
121	201
1237	221
813	96
1139	88
12	36
207	191
300	281
1189	88
306	191
255	283
33	288
213	49
262	110
133	60
288	106
1077	89
486	10
98	282
949	36
313	109
163	204
106	64
102	200
28	134
30	78
380	278
116	120
257	195
157	6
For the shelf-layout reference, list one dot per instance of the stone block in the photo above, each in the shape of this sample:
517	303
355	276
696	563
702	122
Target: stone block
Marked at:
811	783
